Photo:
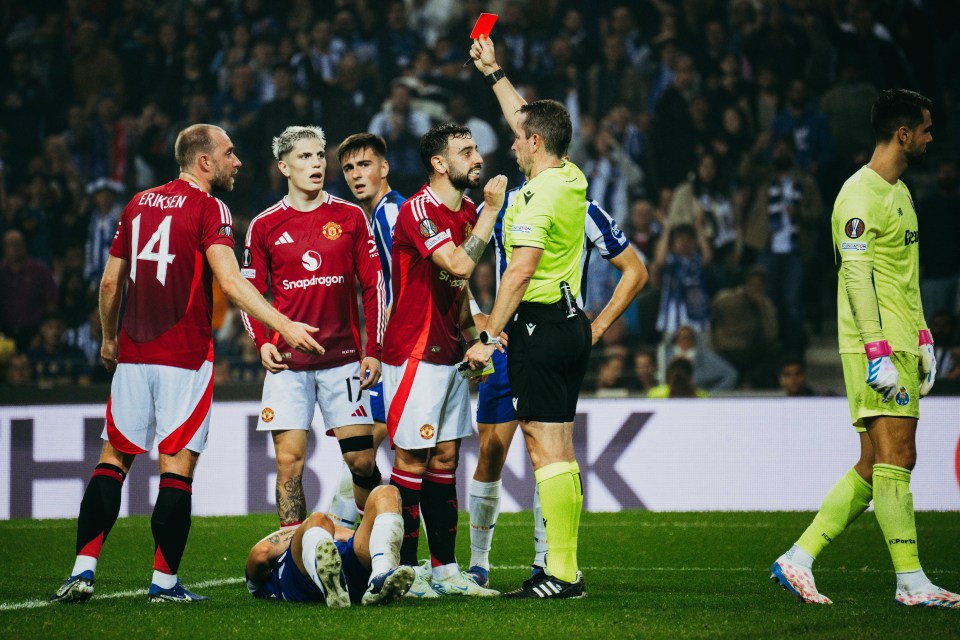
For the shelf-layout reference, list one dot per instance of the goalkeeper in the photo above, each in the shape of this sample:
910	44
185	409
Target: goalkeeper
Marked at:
887	356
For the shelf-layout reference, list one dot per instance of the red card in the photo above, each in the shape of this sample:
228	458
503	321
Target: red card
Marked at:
484	25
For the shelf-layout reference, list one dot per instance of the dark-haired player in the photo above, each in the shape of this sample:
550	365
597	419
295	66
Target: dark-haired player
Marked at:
436	245
171	241
887	355
363	160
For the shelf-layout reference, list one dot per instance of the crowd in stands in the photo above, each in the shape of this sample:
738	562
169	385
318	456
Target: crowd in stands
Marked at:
716	133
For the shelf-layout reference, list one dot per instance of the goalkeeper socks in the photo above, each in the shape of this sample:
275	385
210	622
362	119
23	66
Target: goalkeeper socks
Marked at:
914	581
438	503
893	504
559	501
98	513
578	485
385	537
843	504
539	531
343	507
409	485
171	521
484	506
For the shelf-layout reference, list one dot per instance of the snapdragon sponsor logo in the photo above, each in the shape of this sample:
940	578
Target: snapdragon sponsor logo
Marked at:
457	283
325	281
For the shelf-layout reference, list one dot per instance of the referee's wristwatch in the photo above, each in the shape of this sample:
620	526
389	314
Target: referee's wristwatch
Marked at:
486	338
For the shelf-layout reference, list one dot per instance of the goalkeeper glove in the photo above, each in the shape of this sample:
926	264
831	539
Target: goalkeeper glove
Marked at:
928	362
881	374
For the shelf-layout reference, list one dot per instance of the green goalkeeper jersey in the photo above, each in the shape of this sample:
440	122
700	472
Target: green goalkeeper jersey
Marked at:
875	221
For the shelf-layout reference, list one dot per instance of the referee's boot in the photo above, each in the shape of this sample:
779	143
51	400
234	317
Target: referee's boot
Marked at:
545	586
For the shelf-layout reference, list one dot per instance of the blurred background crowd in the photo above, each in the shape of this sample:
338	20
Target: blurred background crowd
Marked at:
716	133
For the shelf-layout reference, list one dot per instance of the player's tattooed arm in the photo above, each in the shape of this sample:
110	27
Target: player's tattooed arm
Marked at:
263	557
474	247
291	503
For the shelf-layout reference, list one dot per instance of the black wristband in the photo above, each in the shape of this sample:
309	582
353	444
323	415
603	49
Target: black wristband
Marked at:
496	76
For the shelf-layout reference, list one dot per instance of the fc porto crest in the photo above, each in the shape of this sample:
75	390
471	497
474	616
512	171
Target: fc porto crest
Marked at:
902	397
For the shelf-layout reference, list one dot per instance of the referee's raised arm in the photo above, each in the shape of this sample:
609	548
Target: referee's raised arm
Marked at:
485	60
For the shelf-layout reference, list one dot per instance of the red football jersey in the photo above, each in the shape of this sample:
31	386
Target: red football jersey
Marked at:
163	234
425	321
311	261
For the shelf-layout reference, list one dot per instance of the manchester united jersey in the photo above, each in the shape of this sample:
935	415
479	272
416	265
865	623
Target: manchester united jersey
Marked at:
311	261
425	323
163	234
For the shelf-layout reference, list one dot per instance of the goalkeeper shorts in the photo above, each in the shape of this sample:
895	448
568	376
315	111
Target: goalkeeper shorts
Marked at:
867	403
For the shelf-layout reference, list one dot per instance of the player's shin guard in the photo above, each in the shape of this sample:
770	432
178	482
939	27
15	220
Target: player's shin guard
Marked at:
893	505
171	522
559	499
484	506
343	507
409	485
439	504
98	513
578	510
843	504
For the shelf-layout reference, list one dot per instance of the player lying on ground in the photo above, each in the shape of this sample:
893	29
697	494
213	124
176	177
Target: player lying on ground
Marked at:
317	562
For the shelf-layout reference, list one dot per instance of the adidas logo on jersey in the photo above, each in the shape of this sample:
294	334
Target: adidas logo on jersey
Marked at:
284	239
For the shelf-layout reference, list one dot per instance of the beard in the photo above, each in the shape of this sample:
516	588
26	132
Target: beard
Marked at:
463	181
915	156
222	180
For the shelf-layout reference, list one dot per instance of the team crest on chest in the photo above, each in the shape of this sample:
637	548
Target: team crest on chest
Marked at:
332	231
467	230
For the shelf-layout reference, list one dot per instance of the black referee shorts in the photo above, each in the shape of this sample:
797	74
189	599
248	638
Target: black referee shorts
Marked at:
546	361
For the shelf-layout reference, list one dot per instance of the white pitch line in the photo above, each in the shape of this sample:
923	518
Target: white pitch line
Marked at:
34	604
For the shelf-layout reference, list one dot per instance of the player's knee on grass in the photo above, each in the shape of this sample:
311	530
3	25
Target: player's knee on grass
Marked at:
318	519
383	499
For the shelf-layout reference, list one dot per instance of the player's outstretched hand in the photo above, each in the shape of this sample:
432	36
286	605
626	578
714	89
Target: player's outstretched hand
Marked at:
108	354
271	359
369	372
494	192
483	55
297	335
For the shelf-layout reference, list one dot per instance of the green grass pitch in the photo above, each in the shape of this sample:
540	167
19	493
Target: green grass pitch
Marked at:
648	575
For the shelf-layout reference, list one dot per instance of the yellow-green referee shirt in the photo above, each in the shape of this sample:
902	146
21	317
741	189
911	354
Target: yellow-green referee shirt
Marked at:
548	214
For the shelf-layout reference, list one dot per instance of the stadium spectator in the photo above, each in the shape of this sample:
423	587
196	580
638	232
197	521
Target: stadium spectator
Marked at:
27	290
104	216
19	372
801	119
485	135
76	298
644	371
56	363
679	382
350	97
781	230
397	43
710	371
793	379
613	80
610	379
674	137
23	105
843	105
682	254
311	233
94	67
744	329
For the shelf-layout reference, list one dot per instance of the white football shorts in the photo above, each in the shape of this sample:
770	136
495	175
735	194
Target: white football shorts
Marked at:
156	403
426	404
290	397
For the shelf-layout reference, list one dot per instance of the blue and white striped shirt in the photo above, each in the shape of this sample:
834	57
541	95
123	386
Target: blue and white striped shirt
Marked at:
383	222
600	232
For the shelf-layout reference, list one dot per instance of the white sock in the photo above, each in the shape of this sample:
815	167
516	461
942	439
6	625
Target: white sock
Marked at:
796	555
164	580
484	505
445	571
539	532
385	539
311	538
84	563
912	580
343	507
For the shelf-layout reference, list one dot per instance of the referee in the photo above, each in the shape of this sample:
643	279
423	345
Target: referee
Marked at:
550	337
